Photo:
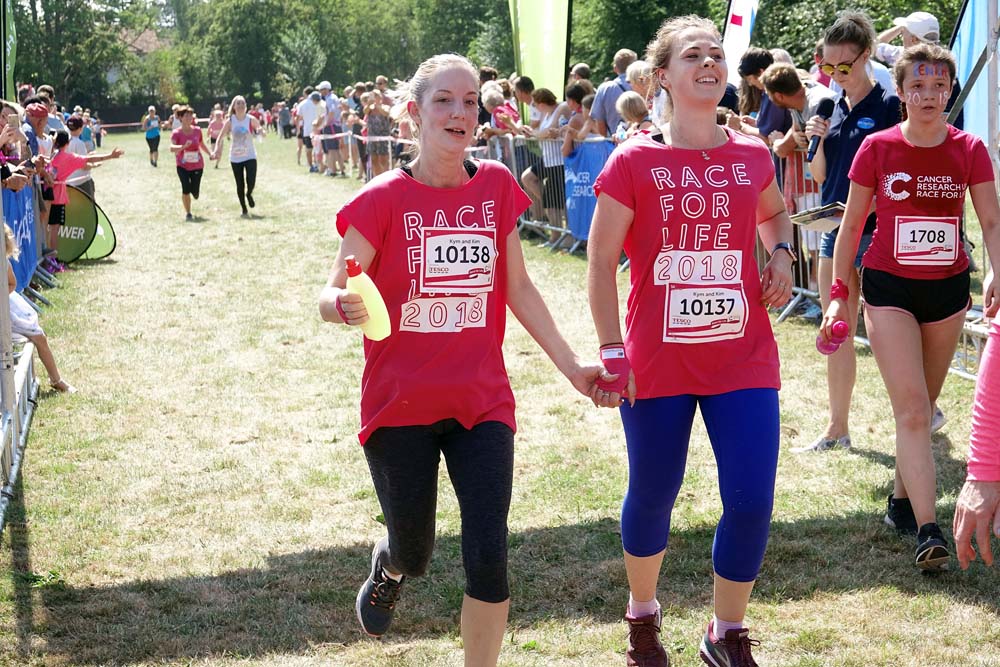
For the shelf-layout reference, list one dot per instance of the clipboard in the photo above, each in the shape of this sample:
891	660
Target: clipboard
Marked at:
821	218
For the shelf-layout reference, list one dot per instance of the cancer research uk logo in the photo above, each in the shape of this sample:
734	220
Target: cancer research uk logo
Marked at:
889	182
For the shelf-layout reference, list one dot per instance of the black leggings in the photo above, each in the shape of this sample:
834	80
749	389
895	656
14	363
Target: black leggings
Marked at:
404	465
244	188
190	181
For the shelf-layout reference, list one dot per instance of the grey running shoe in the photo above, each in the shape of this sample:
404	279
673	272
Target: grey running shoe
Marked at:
377	597
932	548
823	444
899	515
938	420
644	647
731	651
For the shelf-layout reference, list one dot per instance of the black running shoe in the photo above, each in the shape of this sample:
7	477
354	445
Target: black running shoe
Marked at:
932	548
250	200
899	515
377	597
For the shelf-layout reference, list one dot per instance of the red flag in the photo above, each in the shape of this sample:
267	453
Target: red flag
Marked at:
735	19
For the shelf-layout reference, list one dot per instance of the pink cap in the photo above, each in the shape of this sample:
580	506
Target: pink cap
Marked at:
353	267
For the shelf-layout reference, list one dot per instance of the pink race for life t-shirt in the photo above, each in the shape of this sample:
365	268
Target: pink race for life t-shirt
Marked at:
63	165
440	265
189	158
919	200
695	324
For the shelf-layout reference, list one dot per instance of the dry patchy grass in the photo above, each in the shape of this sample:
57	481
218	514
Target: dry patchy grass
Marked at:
202	501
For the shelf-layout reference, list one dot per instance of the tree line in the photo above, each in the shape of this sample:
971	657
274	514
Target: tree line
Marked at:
122	52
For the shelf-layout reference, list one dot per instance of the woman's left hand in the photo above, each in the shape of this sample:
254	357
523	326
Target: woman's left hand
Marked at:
776	281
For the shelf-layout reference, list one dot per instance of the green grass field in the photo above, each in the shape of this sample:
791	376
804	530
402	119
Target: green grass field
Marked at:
203	500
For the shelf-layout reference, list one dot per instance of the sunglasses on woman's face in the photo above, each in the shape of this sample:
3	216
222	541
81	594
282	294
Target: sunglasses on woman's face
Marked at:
843	68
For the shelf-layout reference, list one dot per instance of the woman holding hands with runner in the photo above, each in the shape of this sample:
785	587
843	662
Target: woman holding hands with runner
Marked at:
242	154
439	238
915	278
687	205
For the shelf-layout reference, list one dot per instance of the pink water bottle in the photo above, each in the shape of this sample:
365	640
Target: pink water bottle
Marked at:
840	331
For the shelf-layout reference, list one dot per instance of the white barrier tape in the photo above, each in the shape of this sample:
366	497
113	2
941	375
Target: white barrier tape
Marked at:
331	136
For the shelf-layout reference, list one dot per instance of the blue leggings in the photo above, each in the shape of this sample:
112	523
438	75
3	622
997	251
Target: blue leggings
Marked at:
743	427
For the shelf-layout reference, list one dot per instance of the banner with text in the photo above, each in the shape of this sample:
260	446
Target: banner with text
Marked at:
582	167
19	214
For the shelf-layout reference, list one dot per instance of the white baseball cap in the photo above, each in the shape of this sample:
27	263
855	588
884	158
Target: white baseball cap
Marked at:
921	25
325	85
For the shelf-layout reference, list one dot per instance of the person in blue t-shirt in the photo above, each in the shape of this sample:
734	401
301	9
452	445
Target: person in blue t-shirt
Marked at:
150	124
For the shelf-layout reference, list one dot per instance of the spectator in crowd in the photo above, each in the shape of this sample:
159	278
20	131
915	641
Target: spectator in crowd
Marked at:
331	126
309	110
916	278
818	75
578	72
579	117
504	118
36	114
635	116
55	121
545	182
863	108
912	30
14	144
459	404
379	125
382	87
187	144
24	320
790	89
769	118
691	358
917	28
242	153
523	88
284	121
604	114
83	179
64	163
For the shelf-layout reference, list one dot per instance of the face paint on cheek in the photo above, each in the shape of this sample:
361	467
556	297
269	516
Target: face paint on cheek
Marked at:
913	98
943	98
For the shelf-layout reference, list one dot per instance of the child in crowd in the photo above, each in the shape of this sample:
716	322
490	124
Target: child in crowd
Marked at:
64	162
635	116
24	319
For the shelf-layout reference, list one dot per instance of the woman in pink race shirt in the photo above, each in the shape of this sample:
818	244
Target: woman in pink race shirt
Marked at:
439	239
915	274
187	145
687	204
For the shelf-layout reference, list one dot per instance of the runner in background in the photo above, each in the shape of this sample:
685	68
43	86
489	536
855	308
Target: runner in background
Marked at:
454	397
687	204
242	152
915	280
151	126
214	130
187	145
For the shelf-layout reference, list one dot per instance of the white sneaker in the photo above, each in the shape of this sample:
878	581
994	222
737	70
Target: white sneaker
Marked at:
938	420
823	443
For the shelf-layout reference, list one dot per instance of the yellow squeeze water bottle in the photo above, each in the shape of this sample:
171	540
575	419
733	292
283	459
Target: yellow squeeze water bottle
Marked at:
358	282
